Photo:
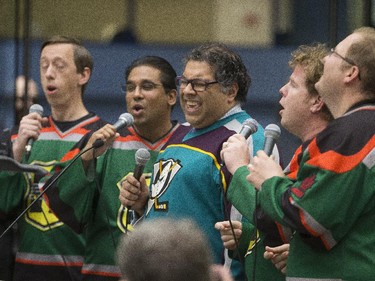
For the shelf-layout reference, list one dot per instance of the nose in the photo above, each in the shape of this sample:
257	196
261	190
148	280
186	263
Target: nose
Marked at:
282	91
137	93
49	72
188	89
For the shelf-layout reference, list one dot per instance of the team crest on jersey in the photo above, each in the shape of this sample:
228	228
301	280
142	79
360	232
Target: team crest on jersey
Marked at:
39	215
123	212
164	172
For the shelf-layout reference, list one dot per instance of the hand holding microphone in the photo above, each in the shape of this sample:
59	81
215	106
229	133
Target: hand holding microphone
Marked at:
141	157
104	137
264	167
235	150
37	109
125	120
28	132
134	192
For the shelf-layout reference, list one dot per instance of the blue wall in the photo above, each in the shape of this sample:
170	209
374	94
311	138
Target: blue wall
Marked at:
268	69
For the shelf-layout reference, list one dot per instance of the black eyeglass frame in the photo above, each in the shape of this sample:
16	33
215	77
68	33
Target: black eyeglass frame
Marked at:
192	82
349	61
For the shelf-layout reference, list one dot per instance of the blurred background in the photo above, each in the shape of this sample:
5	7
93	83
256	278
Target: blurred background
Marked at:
116	32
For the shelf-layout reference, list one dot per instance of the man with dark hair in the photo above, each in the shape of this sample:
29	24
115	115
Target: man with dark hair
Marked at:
188	180
86	196
48	249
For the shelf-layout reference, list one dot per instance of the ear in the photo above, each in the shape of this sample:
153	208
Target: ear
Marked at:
85	76
172	97
353	73
317	105
232	93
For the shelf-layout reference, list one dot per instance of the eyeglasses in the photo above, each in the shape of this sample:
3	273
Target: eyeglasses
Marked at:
198	85
146	86
349	61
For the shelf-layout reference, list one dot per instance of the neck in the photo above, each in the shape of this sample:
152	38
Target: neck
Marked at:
68	113
153	132
313	130
345	103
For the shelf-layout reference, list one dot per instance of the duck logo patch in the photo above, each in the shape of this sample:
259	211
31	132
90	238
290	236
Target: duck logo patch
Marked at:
164	172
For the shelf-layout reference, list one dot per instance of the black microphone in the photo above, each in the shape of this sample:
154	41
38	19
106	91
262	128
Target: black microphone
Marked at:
125	120
272	133
142	155
38	109
249	127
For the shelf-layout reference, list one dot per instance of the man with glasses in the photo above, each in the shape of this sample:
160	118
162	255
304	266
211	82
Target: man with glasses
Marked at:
331	203
86	198
188	180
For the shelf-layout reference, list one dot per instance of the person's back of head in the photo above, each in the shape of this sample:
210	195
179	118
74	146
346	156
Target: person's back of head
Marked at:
165	250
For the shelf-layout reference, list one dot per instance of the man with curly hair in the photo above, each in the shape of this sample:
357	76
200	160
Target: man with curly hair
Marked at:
188	180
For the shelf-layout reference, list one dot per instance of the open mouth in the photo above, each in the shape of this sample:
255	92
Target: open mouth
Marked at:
51	89
137	109
191	106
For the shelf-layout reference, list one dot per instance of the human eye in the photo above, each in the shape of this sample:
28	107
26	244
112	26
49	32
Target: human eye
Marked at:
199	84
43	65
183	82
60	65
148	86
129	87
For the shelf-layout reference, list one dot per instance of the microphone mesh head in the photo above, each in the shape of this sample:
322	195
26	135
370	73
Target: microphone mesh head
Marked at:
272	131
128	118
252	124
142	155
36	108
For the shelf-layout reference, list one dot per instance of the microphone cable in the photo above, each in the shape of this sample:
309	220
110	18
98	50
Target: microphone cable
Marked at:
40	196
46	189
228	215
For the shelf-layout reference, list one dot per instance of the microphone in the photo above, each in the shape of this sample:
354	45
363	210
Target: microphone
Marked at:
142	155
249	127
272	133
125	120
38	109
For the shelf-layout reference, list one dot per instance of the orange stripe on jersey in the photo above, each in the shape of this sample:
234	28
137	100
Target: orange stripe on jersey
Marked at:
78	129
294	165
152	146
70	155
281	232
335	162
49	263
